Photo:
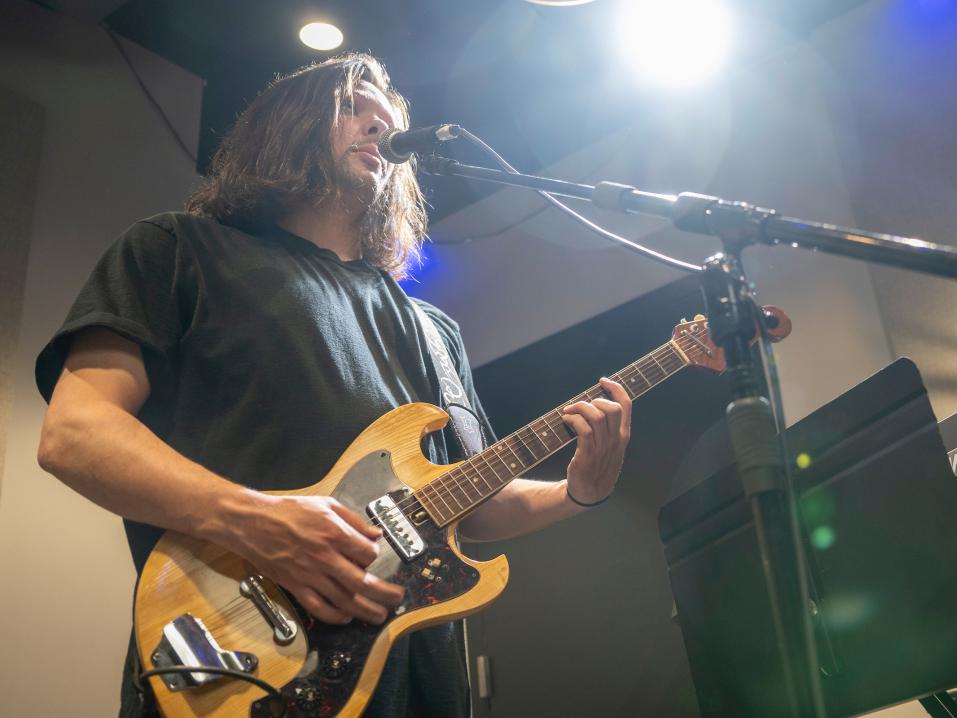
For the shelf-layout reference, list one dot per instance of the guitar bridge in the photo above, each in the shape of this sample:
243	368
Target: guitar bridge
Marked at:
396	527
187	642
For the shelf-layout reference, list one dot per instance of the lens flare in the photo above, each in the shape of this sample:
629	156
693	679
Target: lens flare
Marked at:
823	537
675	42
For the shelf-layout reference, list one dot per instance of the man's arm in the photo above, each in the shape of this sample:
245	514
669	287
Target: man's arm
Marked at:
93	442
603	428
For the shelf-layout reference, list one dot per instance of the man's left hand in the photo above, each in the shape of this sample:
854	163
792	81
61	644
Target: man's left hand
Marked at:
603	427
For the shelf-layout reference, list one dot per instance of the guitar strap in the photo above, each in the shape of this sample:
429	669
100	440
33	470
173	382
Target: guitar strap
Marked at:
465	424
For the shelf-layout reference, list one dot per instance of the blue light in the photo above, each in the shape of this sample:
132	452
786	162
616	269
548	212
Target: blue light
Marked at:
419	272
921	17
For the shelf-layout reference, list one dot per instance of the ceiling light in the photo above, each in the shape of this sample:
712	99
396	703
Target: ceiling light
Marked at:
560	3
321	36
675	42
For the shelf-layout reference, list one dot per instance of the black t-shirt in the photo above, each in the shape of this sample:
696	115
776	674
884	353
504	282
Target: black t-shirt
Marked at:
266	357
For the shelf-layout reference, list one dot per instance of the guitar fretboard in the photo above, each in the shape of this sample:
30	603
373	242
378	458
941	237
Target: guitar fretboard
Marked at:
471	482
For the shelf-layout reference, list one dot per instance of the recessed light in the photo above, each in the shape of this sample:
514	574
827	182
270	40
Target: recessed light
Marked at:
321	36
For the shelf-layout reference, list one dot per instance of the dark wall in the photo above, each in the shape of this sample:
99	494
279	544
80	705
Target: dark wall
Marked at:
584	628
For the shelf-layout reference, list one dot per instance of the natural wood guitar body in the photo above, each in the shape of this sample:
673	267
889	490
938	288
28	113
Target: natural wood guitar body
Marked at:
185	575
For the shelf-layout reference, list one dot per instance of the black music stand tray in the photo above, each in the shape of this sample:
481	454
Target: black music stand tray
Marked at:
878	509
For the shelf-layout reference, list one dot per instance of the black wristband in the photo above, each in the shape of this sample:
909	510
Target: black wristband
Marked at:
582	503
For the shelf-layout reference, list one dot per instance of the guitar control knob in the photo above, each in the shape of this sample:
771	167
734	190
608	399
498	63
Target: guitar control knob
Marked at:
335	664
308	699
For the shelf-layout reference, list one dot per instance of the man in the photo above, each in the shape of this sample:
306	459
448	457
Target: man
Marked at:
242	345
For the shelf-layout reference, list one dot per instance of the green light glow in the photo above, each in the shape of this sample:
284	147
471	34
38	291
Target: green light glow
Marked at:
823	537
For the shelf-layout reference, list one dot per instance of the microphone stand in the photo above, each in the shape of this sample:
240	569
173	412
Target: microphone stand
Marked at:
732	317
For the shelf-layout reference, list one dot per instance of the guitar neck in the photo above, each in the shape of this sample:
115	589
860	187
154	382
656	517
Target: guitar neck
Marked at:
458	492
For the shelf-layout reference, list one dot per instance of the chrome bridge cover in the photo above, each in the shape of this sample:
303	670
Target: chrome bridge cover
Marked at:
187	642
396	526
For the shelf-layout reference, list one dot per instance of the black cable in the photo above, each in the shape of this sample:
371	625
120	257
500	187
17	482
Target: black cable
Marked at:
149	96
504	228
600	231
496	232
184	670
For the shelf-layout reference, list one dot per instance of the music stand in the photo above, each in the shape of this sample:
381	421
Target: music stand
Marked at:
877	501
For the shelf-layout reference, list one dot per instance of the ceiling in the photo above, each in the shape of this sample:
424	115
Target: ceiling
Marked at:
547	88
518	75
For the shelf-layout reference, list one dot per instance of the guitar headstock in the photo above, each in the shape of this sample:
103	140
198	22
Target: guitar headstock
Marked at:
694	339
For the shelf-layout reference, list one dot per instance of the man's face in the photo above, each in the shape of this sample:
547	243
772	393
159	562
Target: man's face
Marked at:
359	167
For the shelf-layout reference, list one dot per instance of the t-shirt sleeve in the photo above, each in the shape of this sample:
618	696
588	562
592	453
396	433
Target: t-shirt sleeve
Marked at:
144	289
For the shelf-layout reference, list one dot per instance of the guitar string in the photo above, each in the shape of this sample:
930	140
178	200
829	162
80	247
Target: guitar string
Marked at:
245	613
443	492
438	485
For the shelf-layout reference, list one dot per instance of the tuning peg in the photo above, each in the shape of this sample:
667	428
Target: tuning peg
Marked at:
699	317
683	321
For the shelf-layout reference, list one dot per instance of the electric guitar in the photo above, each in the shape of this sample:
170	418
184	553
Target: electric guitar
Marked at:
198	606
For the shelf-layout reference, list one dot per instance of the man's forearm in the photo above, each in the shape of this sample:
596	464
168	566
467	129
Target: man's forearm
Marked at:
523	506
113	459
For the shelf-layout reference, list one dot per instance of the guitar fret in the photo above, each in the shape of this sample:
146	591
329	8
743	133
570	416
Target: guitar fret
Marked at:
655	360
426	504
440	491
439	495
495	456
436	510
636	383
544	435
554	440
672	357
479	475
514	467
489	464
450	490
547	420
523	447
494	481
652	370
467	483
561	430
531	432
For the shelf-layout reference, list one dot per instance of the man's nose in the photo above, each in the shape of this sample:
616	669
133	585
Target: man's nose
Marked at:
376	126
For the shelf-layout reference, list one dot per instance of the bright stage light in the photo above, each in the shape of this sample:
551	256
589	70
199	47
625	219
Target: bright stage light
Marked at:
675	42
321	36
560	3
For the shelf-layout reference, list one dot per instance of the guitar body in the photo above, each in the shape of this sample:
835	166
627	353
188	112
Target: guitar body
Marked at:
324	669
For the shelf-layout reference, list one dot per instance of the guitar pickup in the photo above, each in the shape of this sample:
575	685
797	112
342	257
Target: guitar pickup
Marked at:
396	527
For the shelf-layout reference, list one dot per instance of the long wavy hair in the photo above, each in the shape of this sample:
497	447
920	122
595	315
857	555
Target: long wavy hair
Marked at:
278	154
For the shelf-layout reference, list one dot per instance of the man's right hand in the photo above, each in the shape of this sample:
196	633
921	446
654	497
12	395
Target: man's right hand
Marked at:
318	550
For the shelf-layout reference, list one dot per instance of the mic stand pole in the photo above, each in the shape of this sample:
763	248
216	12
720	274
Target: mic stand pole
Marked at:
732	320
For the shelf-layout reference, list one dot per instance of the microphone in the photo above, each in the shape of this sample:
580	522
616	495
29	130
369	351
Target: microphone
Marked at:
397	146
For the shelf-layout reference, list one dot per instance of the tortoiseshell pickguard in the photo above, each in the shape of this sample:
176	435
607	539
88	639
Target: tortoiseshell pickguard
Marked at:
337	654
